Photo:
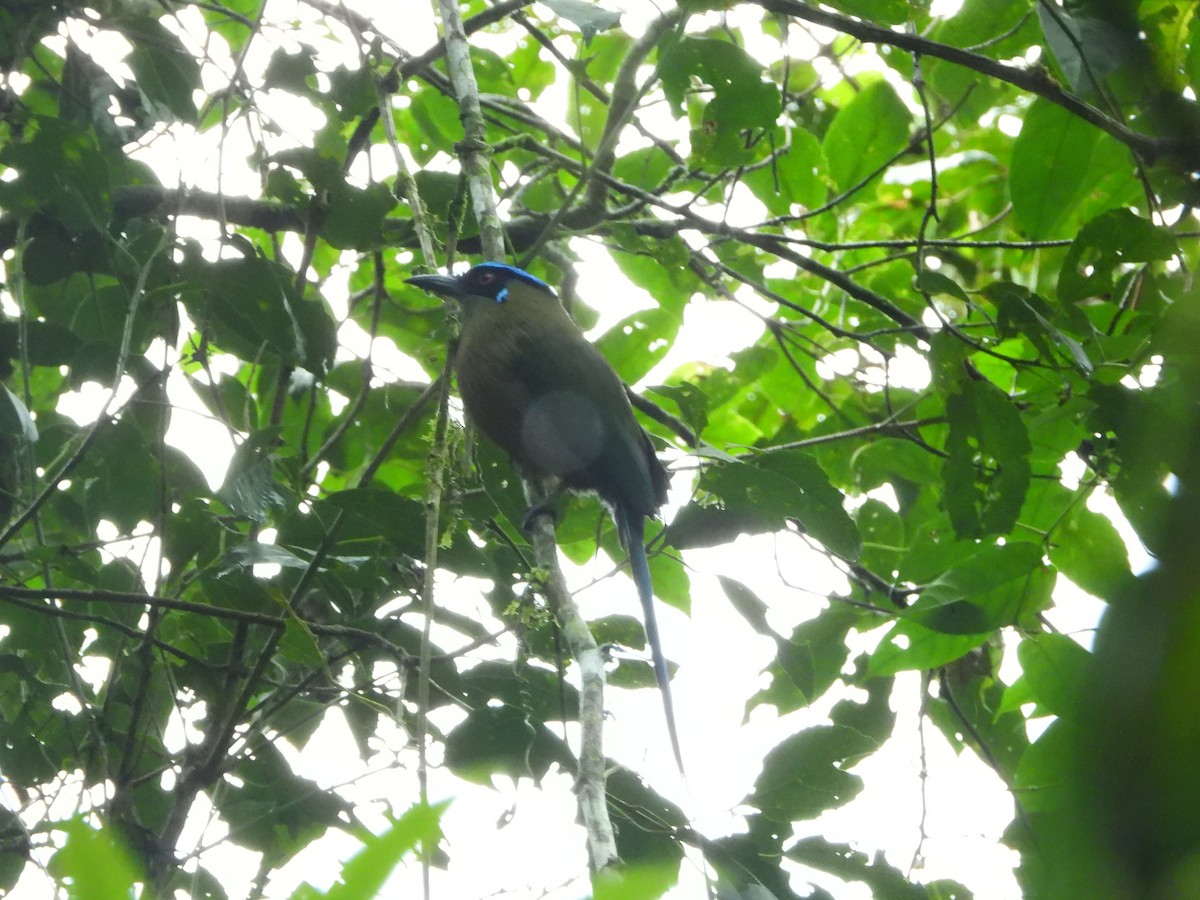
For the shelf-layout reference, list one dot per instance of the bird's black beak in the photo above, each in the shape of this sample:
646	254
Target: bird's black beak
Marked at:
443	285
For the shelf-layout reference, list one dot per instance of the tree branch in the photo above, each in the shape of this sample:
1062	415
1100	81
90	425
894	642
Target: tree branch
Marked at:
1036	81
475	153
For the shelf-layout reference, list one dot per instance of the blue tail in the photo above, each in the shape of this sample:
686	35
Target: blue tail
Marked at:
632	529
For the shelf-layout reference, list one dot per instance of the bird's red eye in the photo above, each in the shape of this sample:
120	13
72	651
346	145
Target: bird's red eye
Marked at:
486	278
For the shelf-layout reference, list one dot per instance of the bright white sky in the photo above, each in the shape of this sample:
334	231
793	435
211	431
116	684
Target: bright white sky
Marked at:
720	658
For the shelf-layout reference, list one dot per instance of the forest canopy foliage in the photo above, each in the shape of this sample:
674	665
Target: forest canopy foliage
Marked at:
963	237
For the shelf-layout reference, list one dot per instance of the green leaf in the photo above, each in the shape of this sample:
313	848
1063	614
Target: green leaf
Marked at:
659	267
710	526
672	584
1056	671
254	554
232	586
808	662
644	882
725	67
250	488
1089	550
746	602
872	717
46	343
95	862
378	513
884	536
635	344
590	18
624	631
763	495
646	167
947	362
365	873
541	692
688	399
321	169
1050	160
16	853
1104	249
492	72
1025	313
997	585
229	399
355	216
979	22
742	100
887	12
885	881
118	474
437	117
48	258
999	29
250	304
930	281
910	645
440	192
645	822
635	674
299	645
529	68
725	135
1047	769
101	316
164	71
503	741
1192	62
1087	49
889	459
987	472
353	90
805	774
247	307
866	132
15	421
61	172
797	177
291	71
271	809
813	501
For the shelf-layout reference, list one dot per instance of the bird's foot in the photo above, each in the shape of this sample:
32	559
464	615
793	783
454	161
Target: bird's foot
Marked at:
545	508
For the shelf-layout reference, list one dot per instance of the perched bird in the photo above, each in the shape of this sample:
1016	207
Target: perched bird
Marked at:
534	385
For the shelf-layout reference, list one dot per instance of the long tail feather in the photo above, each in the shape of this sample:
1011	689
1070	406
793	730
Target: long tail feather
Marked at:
632	531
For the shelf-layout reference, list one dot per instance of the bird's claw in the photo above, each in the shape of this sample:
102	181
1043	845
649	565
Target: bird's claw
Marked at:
539	509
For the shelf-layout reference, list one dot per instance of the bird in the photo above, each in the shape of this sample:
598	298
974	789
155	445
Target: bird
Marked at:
539	390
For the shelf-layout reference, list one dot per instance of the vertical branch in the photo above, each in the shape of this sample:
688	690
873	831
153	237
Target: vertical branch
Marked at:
931	212
435	472
474	152
404	180
592	775
625	98
434	476
626	94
